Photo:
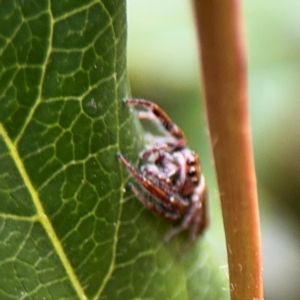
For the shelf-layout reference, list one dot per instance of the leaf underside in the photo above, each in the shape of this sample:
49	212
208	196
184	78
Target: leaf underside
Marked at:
67	230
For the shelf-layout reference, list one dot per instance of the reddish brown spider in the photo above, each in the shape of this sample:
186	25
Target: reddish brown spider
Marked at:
170	174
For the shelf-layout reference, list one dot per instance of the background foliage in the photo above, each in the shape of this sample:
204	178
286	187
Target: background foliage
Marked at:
67	229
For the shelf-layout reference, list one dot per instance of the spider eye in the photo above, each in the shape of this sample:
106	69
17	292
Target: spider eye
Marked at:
191	161
192	171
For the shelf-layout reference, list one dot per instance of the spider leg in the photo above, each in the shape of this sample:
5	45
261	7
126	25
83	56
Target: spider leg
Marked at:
200	196
194	229
162	117
159	179
196	217
198	224
156	208
153	189
163	181
184	225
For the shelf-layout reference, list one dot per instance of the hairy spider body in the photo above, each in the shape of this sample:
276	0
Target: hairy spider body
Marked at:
170	174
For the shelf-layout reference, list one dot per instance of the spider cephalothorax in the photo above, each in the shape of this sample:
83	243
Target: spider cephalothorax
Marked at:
170	174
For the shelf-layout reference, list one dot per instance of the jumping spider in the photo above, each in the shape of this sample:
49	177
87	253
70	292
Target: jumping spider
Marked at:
170	174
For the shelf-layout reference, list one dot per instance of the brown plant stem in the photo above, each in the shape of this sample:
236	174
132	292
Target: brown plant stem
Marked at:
225	88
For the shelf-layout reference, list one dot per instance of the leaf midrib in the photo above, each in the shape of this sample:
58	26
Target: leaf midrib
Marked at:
42	217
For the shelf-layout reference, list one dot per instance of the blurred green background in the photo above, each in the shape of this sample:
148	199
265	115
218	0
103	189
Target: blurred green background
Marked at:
163	67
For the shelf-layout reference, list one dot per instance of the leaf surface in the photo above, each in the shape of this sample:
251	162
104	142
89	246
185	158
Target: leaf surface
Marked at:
67	229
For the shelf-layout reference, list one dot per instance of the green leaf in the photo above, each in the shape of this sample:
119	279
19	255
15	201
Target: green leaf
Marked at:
67	229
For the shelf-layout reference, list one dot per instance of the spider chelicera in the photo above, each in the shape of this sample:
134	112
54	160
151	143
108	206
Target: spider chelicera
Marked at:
170	175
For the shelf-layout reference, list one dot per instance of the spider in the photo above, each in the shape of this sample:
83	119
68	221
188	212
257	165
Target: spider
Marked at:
170	175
